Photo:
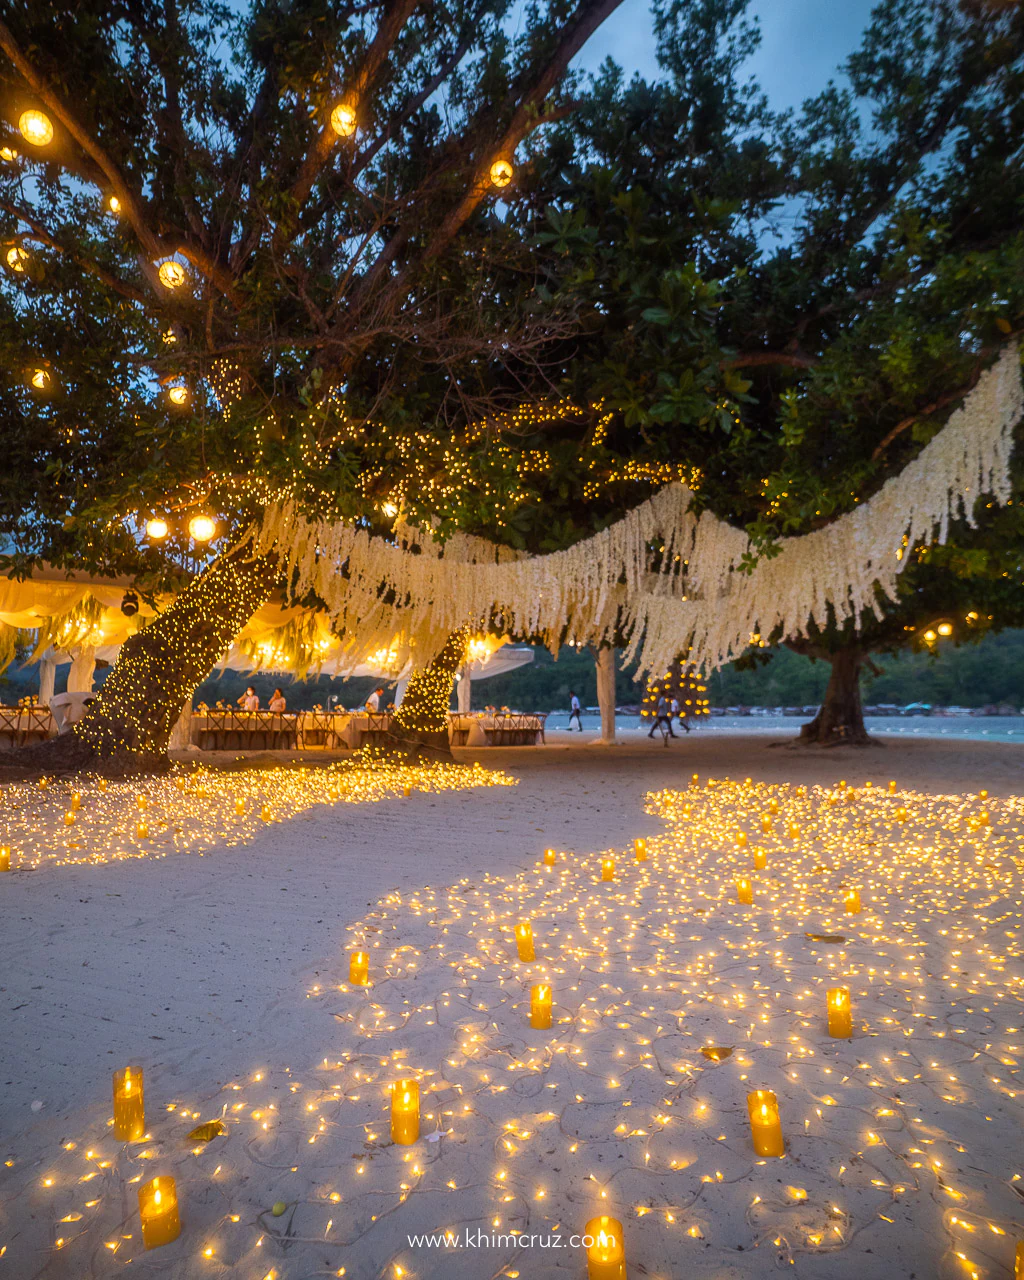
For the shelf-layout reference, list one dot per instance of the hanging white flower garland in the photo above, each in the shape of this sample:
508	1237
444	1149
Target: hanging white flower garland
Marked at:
375	589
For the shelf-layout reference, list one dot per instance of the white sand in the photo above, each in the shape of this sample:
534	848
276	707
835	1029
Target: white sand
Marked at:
205	970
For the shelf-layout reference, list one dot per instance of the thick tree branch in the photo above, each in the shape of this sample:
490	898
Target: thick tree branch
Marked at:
394	19
753	359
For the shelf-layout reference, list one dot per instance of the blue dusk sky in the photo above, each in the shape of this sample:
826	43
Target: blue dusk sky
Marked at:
803	43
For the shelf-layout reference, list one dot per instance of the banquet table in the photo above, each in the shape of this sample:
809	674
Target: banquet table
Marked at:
229	730
501	729
21	726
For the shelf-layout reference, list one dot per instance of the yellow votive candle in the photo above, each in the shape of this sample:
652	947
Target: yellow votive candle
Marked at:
983	795
840	1014
901	814
407	790
983	818
760	859
765	1125
606	1253
129	1105
359	968
158	1209
76	801
549	857
607	868
524	941
142	831
852	902
766	824
744	891
5	857
794	831
540	1006
239	806
69	819
405	1112
103	784
694	778
741	839
265	813
142	802
640	847
892	787
773	806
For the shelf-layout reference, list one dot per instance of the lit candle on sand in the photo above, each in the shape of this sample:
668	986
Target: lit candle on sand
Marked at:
607	868
359	968
765	1126
744	891
892	787
524	941
640	846
158	1209
76	801
852	902
540	1006
240	806
606	1254
840	1013
5	857
549	857
760	859
405	1111
741	839
129	1105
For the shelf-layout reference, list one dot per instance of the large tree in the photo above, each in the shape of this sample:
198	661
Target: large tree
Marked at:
237	239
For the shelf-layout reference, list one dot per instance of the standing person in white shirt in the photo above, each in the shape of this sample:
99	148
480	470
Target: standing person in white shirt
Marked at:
574	710
373	701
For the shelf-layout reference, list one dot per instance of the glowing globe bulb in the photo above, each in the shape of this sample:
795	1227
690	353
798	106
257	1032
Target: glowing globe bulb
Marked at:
40	379
202	528
178	395
945	628
172	275
9	154
501	173
35	127
929	636
343	120
156	528
114	205
16	259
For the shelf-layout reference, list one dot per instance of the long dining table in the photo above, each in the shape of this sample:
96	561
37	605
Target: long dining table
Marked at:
21	726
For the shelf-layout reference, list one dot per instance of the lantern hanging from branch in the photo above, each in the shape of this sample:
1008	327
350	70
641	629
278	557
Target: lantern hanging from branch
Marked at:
343	120
35	127
501	173
171	274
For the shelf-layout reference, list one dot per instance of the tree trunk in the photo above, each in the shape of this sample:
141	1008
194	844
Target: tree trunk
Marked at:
606	692
840	720
420	726
127	728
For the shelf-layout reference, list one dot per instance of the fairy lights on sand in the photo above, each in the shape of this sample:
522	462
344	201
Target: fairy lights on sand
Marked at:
686	1086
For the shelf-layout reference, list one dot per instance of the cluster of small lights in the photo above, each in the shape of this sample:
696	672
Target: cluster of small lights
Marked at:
671	1002
94	820
428	696
682	682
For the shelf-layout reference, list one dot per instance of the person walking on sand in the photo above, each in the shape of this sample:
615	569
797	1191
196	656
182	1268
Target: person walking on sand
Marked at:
662	718
574	710
677	711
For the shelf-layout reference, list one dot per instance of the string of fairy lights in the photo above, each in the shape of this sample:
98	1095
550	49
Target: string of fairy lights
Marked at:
676	1009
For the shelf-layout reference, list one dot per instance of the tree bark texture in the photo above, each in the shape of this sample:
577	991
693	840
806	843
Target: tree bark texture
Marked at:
420	726
840	719
127	727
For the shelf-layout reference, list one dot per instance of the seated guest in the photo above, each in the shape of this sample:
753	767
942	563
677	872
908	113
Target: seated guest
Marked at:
249	701
277	702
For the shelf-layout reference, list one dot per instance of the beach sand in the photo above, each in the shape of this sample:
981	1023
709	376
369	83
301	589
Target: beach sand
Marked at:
218	962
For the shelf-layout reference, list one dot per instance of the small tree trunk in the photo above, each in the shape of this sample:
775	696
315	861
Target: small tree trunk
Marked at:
606	692
420	727
841	717
126	729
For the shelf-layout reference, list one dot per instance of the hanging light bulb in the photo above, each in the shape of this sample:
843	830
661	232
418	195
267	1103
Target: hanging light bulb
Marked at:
172	275
202	528
945	628
16	259
343	120
9	154
156	528
40	379
178	395
501	173
35	127
114	205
